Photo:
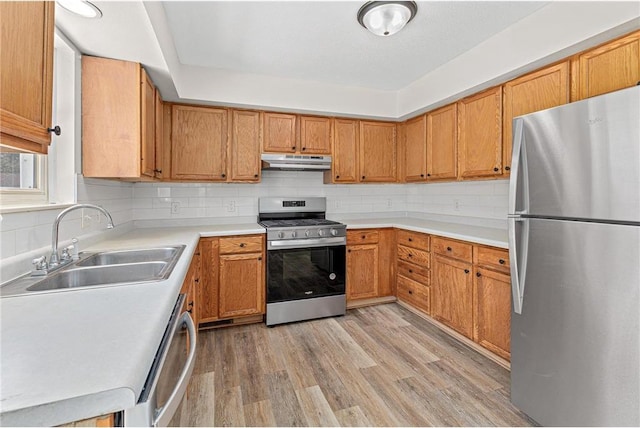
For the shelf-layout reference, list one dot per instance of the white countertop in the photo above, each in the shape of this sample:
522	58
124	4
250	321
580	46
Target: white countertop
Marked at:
70	355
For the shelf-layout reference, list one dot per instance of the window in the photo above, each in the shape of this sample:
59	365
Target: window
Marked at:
23	177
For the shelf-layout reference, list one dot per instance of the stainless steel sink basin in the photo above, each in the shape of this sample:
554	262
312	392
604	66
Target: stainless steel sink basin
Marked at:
166	254
104	275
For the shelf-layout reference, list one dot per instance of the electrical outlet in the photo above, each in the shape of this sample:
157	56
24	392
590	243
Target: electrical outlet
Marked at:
336	204
456	204
231	206
389	203
85	219
175	207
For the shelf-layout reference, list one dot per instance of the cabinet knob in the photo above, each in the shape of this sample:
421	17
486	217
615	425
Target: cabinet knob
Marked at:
304	148
496	169
478	274
364	237
421	175
501	261
428	175
242	245
410	270
466	271
198	253
56	130
197	281
410	292
190	310
410	239
363	177
337	176
259	258
255	175
448	248
348	251
157	171
224	175
410	255
293	148
191	304
507	168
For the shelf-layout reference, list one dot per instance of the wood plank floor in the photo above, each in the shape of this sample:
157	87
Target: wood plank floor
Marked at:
376	366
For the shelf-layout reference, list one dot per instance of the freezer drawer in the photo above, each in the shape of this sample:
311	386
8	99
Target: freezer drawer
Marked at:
575	347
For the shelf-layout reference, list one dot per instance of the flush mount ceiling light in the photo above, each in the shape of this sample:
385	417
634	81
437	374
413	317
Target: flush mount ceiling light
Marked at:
385	18
81	7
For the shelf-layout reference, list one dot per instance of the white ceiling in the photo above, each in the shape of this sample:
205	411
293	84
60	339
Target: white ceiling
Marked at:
323	42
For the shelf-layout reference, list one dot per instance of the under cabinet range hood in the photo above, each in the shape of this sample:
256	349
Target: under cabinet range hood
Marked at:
282	162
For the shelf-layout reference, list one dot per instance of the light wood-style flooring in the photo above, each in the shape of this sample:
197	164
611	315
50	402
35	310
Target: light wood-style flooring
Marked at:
376	366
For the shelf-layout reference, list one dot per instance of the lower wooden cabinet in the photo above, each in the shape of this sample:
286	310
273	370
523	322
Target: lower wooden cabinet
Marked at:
492	311
415	293
452	300
370	263
191	286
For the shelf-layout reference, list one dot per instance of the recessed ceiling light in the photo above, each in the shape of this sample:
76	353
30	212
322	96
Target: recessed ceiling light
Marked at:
81	7
385	18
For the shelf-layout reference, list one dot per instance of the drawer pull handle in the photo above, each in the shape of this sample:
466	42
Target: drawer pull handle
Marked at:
410	255
224	175
190	310
410	239
501	261
496	169
337	177
348	251
259	258
293	148
410	292
448	248
507	168
478	274
242	245
255	175
364	237
410	270
196	280
466	271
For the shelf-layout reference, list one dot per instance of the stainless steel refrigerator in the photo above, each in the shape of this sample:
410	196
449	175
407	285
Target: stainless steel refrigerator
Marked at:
574	242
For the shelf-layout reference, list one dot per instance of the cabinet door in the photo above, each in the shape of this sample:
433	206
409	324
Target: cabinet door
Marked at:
199	143
415	149
241	285
492	311
540	90
608	68
148	125
377	151
480	135
246	136
159	135
315	135
362	272
279	133
345	151
442	143
452	294
207	301
26	74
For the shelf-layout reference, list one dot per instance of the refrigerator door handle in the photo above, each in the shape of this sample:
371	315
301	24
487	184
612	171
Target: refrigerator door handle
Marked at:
518	184
518	240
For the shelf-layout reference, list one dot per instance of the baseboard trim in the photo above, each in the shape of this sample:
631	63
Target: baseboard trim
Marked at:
361	303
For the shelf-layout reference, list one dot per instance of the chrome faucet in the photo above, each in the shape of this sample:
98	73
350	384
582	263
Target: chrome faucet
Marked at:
54	260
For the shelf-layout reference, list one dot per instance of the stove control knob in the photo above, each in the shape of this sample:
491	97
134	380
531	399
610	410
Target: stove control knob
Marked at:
307	233
320	232
280	235
293	234
334	232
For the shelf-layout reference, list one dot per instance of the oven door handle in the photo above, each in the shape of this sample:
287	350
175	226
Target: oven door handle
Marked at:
306	243
166	412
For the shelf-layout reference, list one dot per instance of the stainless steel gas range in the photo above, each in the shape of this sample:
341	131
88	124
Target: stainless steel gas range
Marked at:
305	260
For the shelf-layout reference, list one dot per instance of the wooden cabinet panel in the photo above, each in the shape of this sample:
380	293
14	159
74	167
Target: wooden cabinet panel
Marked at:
442	143
241	244
246	138
414	293
209	279
159	136
413	255
191	286
26	74
412	271
386	262
315	135
413	239
377	149
415	149
493	258
166	142
199	143
148	137
279	133
452	294
536	91
480	134
344	167
241	285
362	272
454	249
492	311
608	68
362	236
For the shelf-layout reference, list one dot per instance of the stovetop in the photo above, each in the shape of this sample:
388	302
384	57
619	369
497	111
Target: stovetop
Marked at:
298	222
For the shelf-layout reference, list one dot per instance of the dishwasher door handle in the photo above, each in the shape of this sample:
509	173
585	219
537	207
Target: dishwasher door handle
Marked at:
166	412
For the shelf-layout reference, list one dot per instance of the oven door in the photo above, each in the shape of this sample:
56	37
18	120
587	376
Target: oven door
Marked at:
304	273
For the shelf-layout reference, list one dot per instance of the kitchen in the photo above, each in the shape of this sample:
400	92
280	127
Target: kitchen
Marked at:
218	209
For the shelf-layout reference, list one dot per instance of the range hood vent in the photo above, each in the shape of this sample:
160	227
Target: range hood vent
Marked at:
295	162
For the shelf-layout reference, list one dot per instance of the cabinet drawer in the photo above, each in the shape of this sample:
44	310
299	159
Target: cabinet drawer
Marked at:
493	258
413	239
454	249
413	255
355	237
414	293
415	272
241	244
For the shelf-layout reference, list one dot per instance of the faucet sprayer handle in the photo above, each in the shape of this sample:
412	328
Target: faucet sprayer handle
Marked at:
40	263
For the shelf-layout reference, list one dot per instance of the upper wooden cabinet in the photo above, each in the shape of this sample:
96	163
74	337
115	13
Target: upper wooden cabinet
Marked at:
442	143
246	137
118	119
539	90
199	143
377	151
26	74
344	168
315	135
607	68
160	138
415	149
279	133
480	134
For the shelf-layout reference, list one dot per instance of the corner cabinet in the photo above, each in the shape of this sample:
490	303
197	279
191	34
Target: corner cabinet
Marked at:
118	120
377	152
26	74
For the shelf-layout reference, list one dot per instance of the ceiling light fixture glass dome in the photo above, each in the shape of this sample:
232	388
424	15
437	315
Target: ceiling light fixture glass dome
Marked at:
81	7
385	18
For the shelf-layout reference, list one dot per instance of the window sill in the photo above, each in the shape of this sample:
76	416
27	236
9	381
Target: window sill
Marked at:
16	208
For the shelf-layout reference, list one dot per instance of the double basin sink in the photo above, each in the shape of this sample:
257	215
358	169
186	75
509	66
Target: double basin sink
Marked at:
103	269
